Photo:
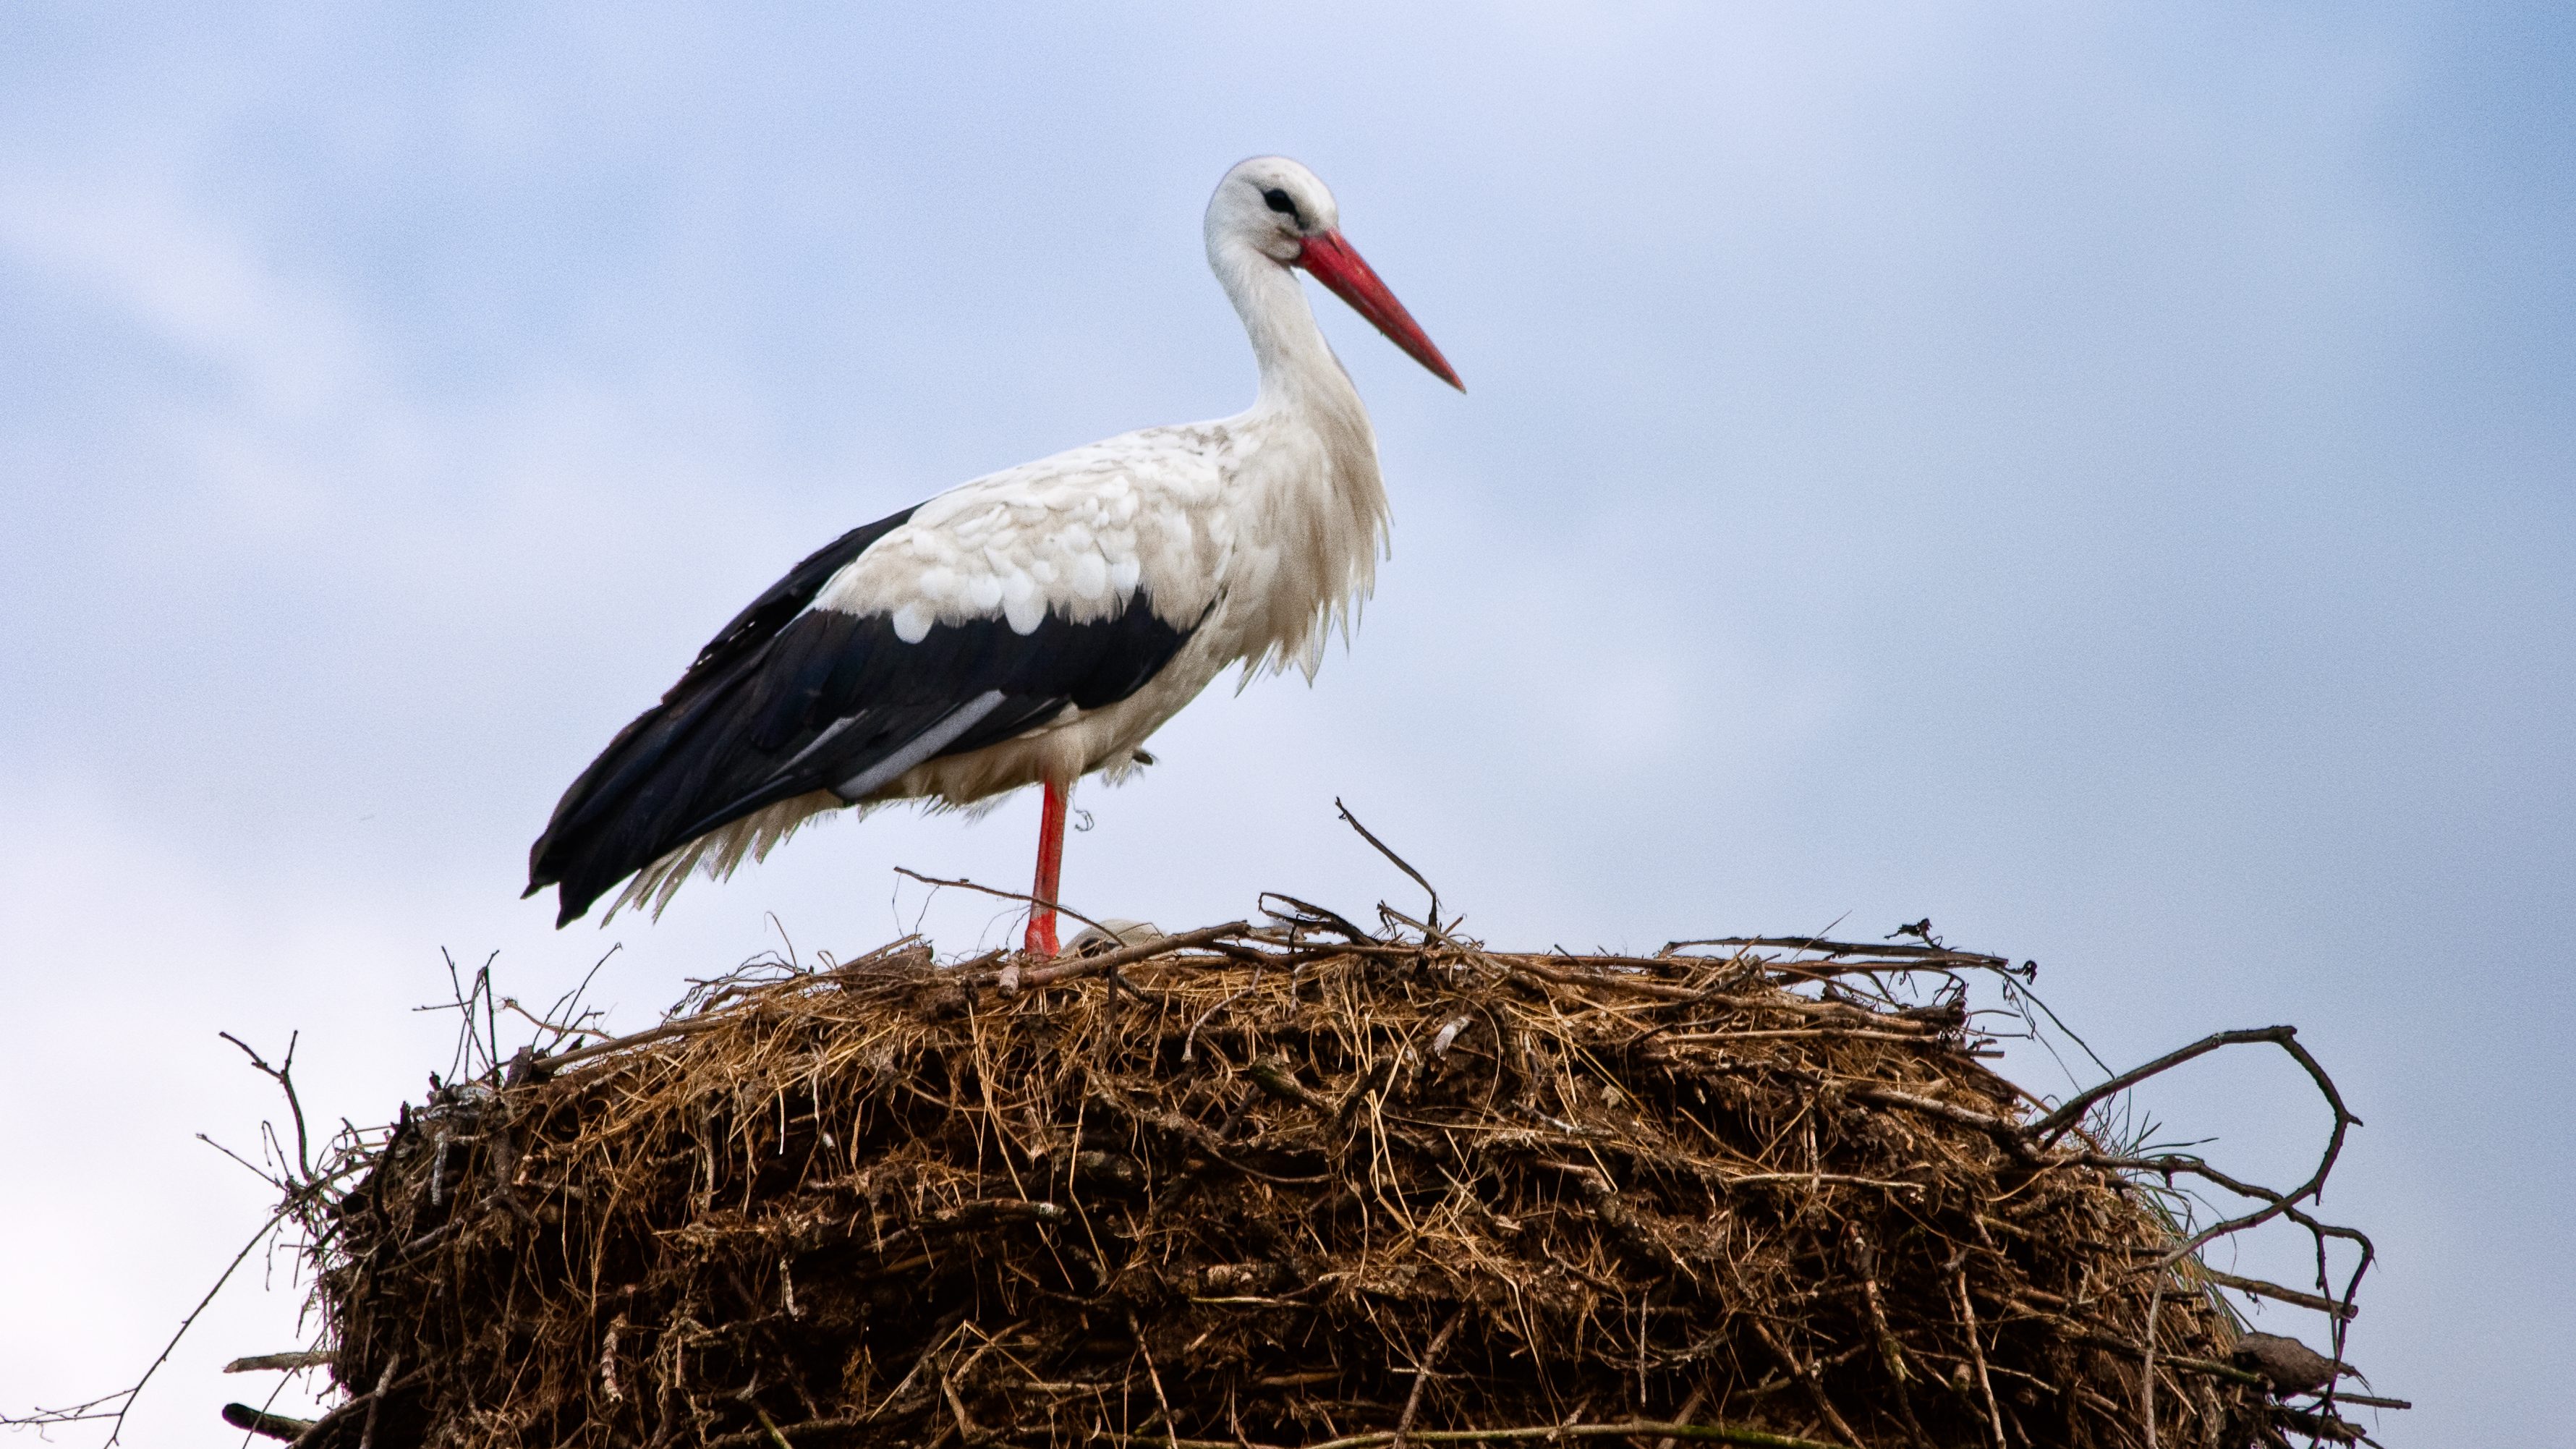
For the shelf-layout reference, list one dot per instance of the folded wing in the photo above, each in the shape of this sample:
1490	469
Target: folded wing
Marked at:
790	699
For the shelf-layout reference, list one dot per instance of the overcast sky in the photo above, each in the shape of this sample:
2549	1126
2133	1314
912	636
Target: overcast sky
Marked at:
2103	478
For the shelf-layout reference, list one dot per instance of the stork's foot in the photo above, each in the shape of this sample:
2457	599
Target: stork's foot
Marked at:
1040	940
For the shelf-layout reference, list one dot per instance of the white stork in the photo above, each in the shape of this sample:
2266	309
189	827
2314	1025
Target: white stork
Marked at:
1031	626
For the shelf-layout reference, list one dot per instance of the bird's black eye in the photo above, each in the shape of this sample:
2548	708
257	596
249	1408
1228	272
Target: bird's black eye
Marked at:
1281	202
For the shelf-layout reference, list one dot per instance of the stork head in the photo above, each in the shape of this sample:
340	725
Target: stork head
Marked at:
1279	209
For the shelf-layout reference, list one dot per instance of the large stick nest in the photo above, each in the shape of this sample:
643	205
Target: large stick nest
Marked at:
1277	1187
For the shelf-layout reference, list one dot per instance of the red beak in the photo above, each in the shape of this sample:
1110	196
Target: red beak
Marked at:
1337	266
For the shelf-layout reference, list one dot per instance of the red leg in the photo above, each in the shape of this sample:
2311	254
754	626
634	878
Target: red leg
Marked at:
1041	936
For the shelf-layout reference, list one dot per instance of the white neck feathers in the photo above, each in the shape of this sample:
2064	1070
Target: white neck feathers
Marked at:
1326	510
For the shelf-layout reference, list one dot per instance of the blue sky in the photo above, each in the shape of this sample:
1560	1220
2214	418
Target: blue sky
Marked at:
2104	478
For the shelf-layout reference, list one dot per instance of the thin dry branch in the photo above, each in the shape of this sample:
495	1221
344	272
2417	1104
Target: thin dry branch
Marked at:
1022	897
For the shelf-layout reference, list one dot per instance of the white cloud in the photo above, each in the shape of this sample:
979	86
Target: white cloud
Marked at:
134	243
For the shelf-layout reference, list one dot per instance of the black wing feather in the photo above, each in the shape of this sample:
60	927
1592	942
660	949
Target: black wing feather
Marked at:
785	701
766	615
